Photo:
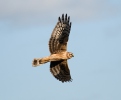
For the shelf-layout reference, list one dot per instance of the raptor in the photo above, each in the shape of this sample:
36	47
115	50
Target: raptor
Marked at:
58	51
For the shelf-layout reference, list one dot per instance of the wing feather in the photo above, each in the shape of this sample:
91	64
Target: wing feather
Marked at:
59	37
60	70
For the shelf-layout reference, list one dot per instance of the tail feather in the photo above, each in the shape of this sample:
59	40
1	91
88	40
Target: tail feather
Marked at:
38	61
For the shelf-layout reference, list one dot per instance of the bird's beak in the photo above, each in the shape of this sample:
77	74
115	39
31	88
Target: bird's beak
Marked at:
72	55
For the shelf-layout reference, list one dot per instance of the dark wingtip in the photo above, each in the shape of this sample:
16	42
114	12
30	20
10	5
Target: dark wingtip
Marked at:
63	17
70	24
66	17
59	19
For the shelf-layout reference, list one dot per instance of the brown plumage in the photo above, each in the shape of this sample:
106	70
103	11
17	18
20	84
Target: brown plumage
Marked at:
58	49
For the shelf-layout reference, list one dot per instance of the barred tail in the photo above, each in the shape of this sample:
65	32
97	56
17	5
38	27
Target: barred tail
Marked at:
38	61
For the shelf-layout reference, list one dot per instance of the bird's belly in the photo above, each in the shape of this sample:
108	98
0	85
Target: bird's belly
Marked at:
57	57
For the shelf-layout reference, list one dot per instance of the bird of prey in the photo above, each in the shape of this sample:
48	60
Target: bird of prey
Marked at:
58	49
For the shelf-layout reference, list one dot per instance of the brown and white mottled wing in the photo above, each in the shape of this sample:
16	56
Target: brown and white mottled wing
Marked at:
60	70
60	35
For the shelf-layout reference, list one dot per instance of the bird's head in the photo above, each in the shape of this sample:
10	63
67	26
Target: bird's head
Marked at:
70	55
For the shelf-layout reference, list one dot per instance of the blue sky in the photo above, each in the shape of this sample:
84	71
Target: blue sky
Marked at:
95	40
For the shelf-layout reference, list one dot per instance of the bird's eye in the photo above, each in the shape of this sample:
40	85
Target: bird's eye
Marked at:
70	54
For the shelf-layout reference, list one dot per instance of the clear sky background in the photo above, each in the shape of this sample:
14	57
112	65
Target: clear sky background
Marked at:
95	40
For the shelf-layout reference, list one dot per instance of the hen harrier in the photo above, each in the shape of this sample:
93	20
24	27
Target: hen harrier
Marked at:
58	49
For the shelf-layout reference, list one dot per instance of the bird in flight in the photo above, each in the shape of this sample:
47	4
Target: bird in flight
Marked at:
58	49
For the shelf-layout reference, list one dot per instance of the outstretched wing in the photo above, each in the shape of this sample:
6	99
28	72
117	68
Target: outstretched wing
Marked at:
60	70
60	35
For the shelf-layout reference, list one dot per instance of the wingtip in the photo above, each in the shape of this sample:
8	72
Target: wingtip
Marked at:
63	17
66	17
70	24
59	19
